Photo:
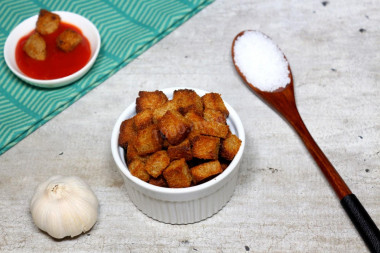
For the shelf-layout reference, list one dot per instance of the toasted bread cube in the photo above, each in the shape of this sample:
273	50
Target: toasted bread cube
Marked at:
229	147
214	128
160	111
188	100
157	162
205	147
143	119
150	100
182	150
177	174
127	133
160	181
206	170
35	47
174	127
131	154
215	102
136	167
47	22
214	115
148	140
68	40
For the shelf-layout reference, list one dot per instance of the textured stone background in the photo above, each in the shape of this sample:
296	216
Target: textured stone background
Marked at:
282	203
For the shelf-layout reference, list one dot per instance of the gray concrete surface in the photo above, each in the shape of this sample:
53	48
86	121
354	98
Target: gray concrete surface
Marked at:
282	203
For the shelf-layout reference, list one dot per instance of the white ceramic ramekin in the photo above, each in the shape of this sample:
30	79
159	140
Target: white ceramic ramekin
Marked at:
184	205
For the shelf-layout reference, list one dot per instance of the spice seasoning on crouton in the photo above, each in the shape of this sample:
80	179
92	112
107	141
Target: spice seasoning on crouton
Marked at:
150	100
68	40
148	140
206	147
188	100
206	170
177	174
171	136
215	102
157	162
136	167
174	127
47	22
35	47
182	150
127	132
229	147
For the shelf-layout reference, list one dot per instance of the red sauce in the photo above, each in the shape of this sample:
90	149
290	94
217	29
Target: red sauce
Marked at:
57	63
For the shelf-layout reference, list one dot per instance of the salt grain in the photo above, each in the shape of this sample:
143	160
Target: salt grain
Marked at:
261	61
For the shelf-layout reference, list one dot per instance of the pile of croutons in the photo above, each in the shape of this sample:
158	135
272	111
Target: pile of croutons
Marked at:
180	142
48	23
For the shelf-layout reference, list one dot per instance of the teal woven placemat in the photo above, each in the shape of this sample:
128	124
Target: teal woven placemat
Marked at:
127	29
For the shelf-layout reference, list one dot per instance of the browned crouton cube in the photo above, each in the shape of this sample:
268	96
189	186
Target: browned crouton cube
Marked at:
160	111
160	181
150	100
174	126
206	170
148	140
205	147
35	47
177	174
214	128
214	115
157	162
196	124
188	100
229	147
182	150
214	101
47	22
127	133
68	40
136	167
143	119
131	154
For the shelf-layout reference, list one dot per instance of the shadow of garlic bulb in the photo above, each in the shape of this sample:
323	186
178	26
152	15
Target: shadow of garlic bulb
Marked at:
64	206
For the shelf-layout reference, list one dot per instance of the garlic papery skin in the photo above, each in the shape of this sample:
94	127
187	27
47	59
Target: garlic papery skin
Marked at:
64	206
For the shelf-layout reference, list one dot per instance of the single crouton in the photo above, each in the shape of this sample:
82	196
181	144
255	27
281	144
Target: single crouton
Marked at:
205	147
188	100
182	150
229	147
68	40
35	47
214	128
148	140
174	127
224	165
143	119
214	115
206	170
127	133
160	111
214	101
157	162
150	100
47	22
160	181
131	154
136	167
177	174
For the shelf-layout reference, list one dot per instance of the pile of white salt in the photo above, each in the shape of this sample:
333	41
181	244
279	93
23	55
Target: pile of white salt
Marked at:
261	61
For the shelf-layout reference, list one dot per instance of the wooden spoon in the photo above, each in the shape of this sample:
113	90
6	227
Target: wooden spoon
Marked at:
283	101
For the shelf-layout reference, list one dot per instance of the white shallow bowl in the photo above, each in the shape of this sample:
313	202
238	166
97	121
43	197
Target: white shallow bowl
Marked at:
88	29
184	205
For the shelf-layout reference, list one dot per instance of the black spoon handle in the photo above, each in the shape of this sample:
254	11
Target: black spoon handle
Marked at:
362	221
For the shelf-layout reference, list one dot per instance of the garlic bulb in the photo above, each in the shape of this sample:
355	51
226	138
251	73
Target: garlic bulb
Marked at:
64	206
